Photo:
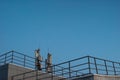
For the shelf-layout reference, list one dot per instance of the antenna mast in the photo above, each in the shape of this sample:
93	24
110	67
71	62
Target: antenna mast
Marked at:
38	59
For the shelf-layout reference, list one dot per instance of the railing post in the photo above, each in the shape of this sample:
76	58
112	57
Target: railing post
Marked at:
5	58
69	69
89	64
24	60
119	70
62	72
76	73
106	67
53	69
96	66
12	56
114	68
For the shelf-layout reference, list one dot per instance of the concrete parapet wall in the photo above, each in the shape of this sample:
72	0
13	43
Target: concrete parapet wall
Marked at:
4	72
15	69
9	70
106	77
98	77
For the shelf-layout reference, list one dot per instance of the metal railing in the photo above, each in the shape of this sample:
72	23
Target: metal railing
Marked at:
18	59
75	69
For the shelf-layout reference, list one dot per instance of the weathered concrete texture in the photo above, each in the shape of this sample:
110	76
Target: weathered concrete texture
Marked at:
32	76
14	70
106	77
29	74
98	77
9	70
85	77
4	72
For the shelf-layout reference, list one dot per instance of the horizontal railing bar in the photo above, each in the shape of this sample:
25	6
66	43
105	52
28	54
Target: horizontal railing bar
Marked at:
21	61
64	74
99	64
104	59
7	56
29	61
79	65
10	59
2	59
29	64
5	53
18	57
2	62
24	54
71	60
77	70
60	70
18	63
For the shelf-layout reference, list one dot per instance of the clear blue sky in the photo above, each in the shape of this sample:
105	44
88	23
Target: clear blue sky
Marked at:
69	28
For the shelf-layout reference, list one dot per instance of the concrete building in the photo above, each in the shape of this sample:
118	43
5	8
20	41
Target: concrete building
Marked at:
17	66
